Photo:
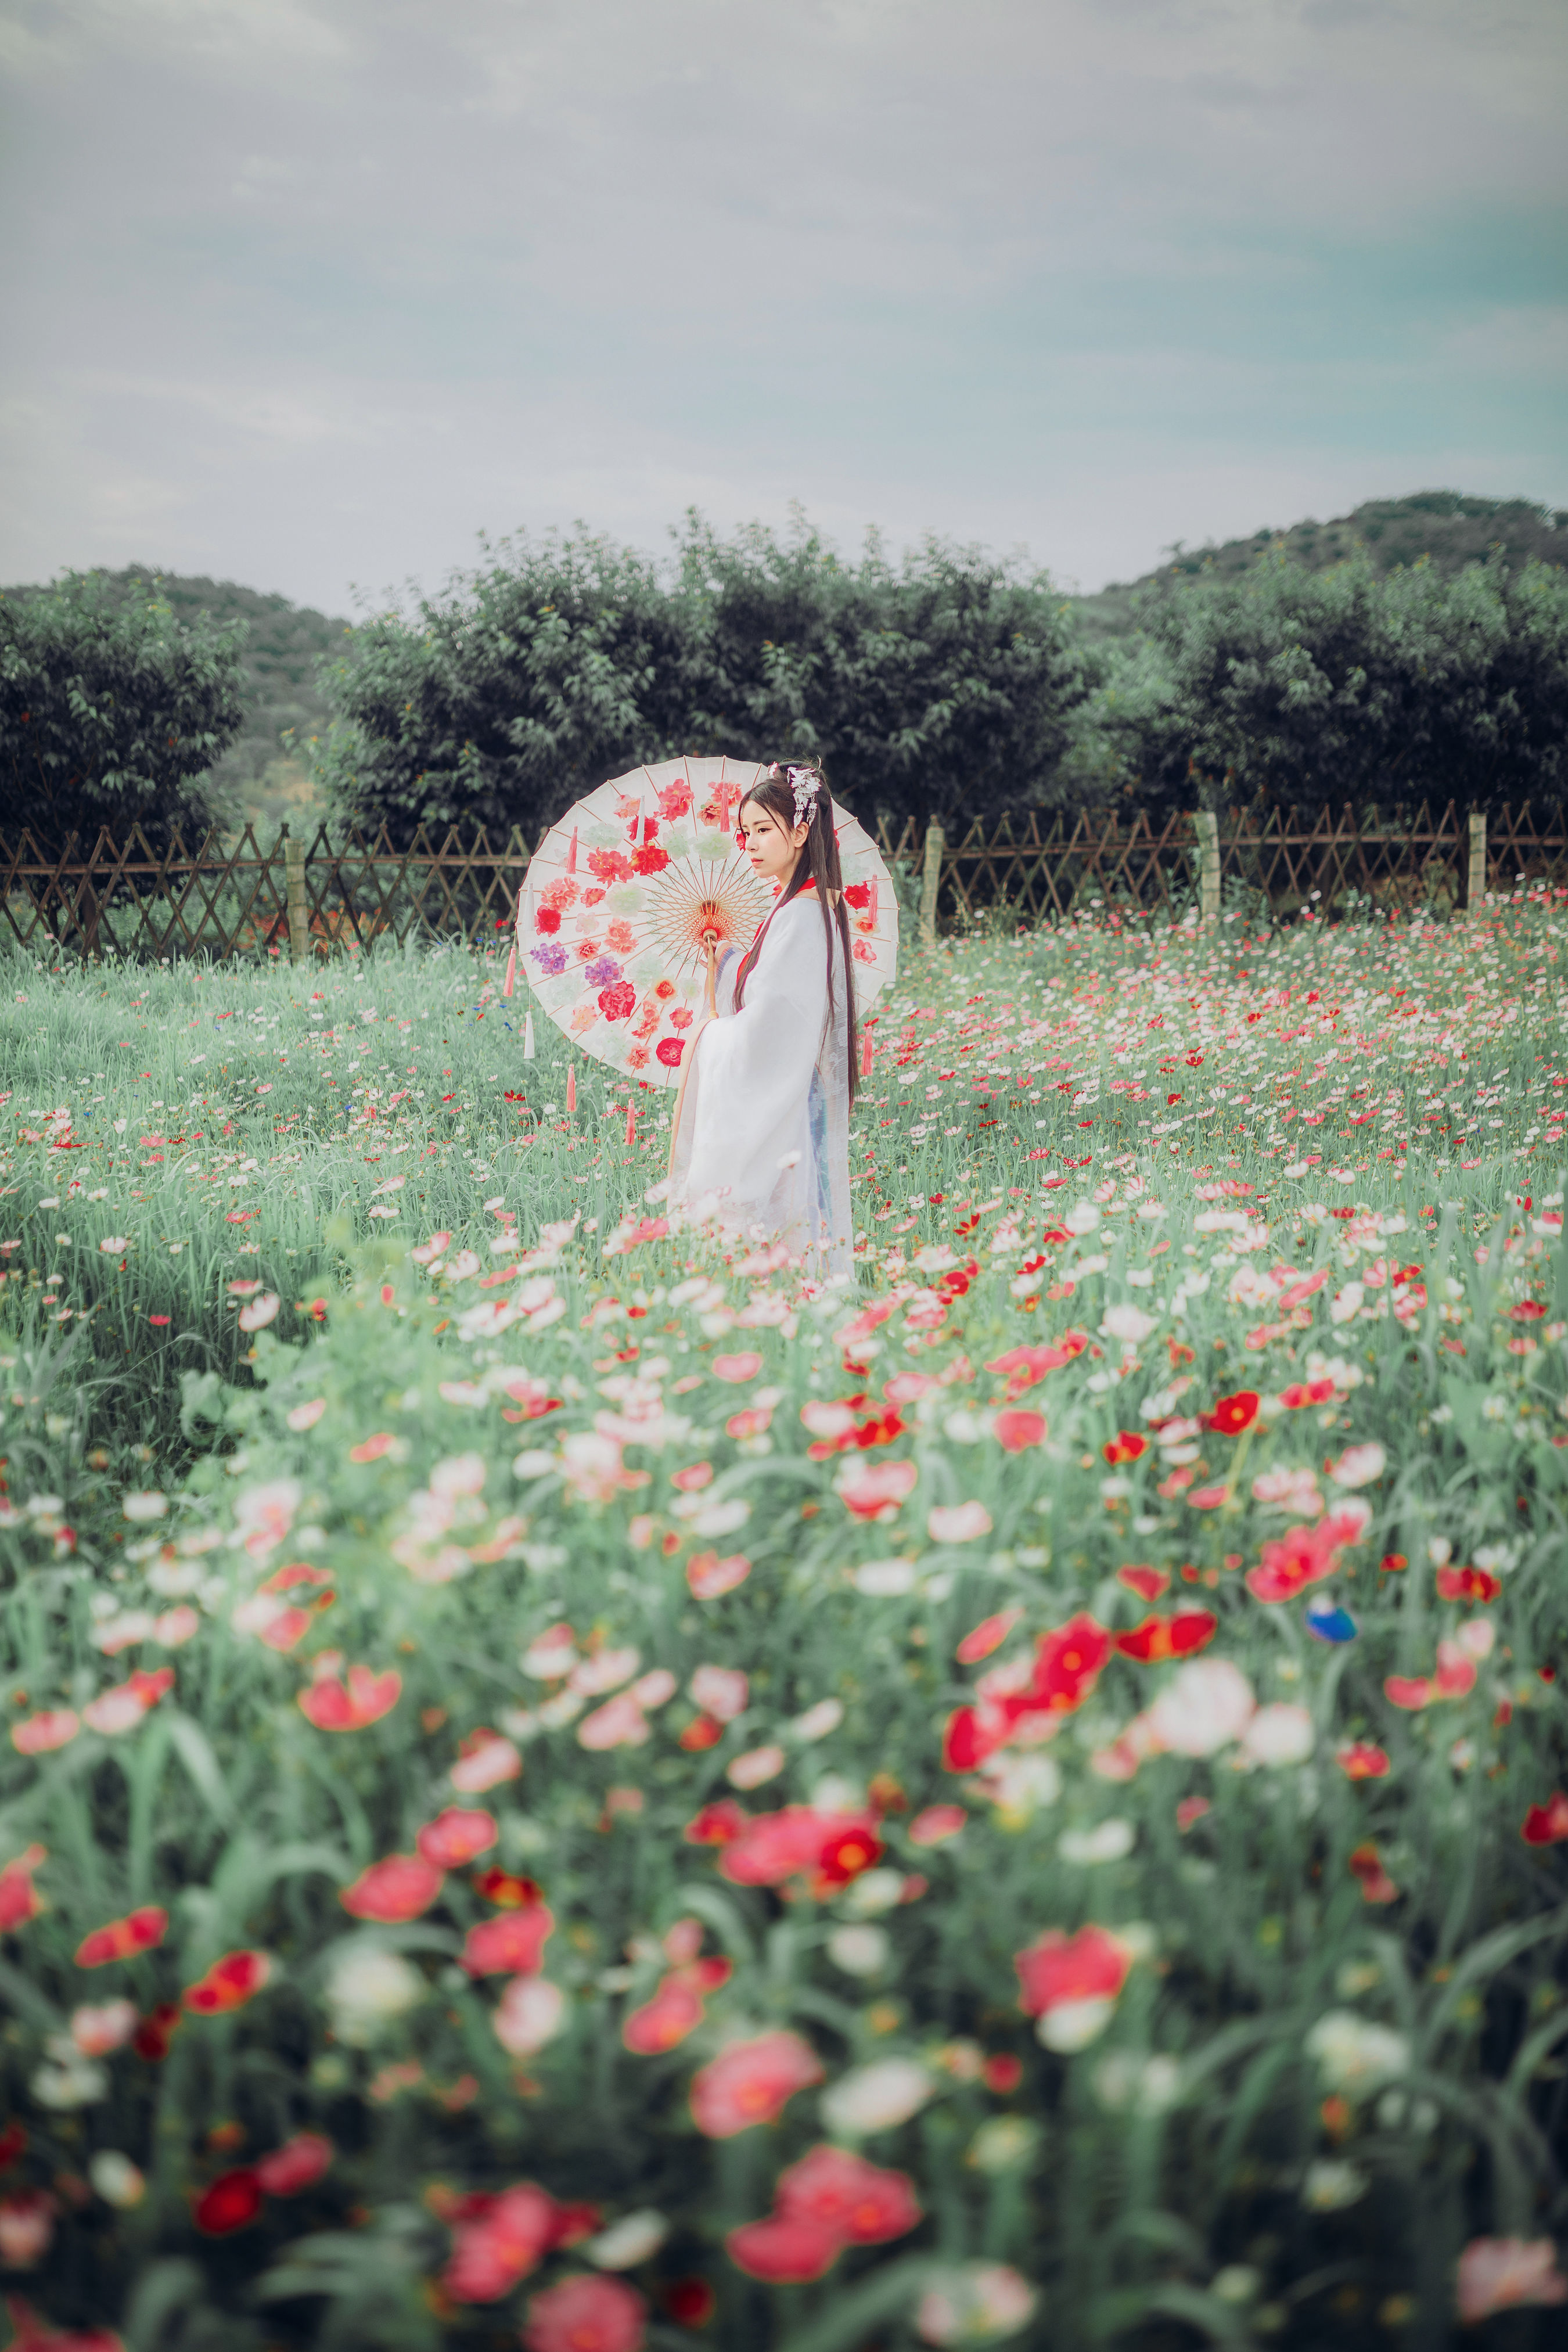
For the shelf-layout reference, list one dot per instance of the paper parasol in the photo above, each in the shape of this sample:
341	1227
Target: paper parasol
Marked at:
611	918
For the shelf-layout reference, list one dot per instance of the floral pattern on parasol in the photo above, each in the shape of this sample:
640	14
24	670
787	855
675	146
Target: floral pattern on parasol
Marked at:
612	919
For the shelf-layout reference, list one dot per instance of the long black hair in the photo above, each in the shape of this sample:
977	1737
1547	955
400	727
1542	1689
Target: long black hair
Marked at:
818	866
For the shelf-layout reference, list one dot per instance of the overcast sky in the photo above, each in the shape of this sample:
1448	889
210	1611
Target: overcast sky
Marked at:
307	293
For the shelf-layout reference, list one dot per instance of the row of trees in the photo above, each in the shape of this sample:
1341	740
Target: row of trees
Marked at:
948	684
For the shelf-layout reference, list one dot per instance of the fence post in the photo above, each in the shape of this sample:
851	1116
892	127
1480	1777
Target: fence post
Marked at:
1476	887
298	915
936	842
1207	826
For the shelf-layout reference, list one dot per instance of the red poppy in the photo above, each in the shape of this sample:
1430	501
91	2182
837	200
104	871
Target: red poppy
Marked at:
508	1893
229	1983
1158	1638
1360	1762
139	1931
152	2036
1468	1584
1547	1824
1232	1414
1125	1446
1148	1583
691	2301
231	2202
717	1824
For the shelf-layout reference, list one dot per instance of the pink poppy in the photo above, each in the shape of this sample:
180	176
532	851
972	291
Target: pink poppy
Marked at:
586	2314
1056	1968
497	2241
1502	2274
720	1691
36	1735
773	1847
19	1898
988	1635
936	1823
874	1490
785	2250
710	1577
860	2203
675	2010
510	1945
960	1523
619	1723
751	2082
484	1760
362	1697
1017	1429
456	1837
295	2166
737	1369
402	1886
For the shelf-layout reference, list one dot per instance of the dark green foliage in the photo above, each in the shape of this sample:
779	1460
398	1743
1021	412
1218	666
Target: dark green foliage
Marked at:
109	709
1311	689
523	686
937	687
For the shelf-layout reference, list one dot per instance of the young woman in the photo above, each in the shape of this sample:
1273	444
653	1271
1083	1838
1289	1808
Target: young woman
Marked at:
762	1124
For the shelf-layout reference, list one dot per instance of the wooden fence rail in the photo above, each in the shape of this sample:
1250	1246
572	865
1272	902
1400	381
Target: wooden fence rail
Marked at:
233	897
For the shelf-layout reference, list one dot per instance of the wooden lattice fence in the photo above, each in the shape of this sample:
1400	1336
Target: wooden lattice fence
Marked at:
234	897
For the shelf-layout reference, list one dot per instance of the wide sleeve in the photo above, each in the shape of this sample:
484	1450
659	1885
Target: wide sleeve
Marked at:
743	1124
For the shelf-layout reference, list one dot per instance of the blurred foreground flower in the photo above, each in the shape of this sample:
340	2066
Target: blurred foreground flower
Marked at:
975	2305
585	2314
1070	1984
1502	2273
828	2201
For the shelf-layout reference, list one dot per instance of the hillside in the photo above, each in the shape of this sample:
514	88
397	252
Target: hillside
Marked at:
260	778
1449	528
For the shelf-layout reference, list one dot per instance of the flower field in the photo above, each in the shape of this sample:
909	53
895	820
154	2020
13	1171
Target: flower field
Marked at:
563	1789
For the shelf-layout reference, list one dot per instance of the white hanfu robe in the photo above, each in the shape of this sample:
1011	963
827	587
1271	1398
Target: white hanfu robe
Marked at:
762	1136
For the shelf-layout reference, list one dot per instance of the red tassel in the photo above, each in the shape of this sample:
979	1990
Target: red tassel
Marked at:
571	1090
509	983
866	1055
631	1126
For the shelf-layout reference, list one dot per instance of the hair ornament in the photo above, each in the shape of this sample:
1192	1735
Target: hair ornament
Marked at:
805	783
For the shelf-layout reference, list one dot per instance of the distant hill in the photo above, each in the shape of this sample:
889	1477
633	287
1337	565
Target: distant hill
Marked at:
260	778
1449	528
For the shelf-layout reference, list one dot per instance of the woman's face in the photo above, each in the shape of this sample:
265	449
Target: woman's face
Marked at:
771	850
